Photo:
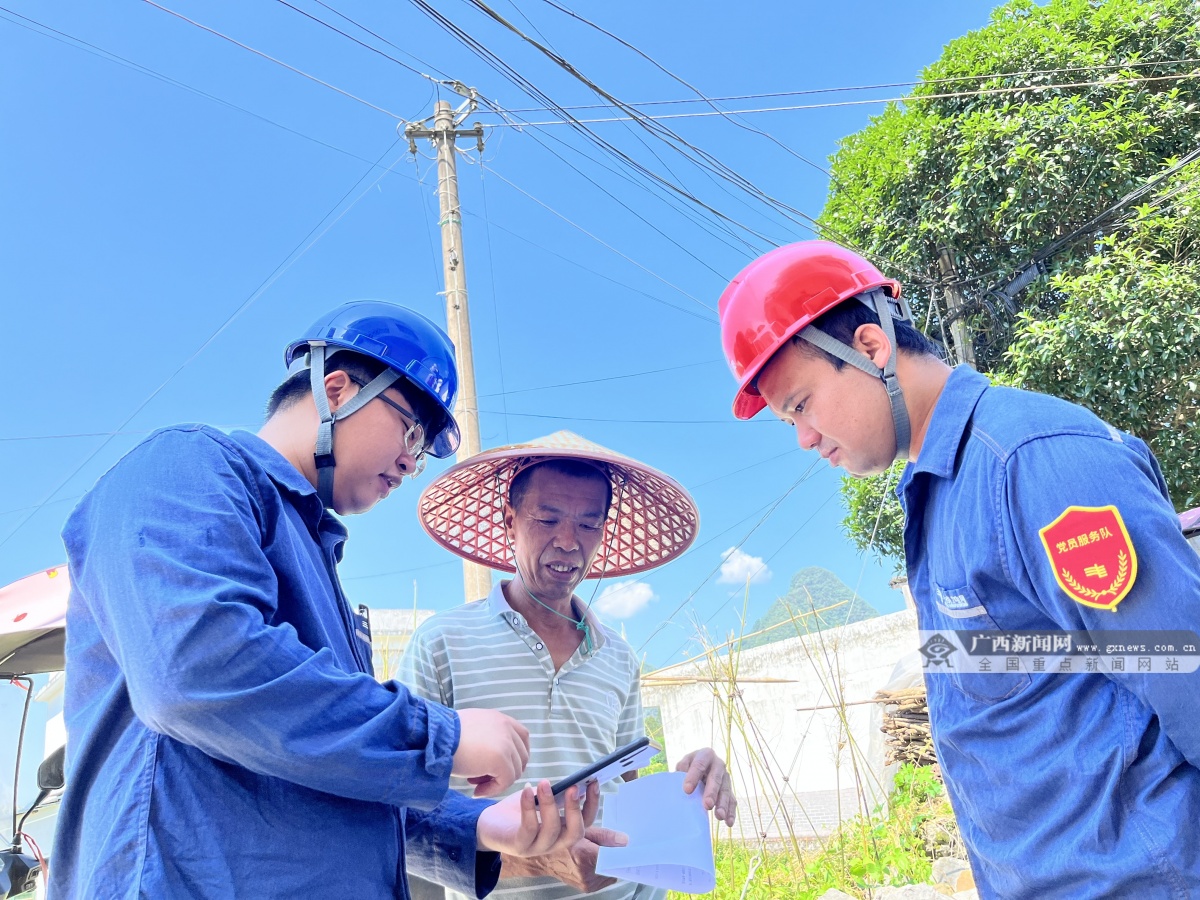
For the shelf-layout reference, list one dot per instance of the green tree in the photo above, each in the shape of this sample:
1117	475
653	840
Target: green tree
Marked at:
1023	131
1126	339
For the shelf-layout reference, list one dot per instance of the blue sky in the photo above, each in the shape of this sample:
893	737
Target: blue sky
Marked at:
147	200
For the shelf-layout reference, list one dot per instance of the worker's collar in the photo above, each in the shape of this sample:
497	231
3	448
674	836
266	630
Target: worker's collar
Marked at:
947	425
288	478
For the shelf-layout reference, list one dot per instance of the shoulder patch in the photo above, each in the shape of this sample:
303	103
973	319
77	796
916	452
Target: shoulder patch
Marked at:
1092	555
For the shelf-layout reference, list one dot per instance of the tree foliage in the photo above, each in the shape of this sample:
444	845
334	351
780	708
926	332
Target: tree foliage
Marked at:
1126	340
1020	133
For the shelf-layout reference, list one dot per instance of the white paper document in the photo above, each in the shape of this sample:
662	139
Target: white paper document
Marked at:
670	844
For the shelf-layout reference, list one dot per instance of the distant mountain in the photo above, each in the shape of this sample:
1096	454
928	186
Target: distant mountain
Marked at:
812	589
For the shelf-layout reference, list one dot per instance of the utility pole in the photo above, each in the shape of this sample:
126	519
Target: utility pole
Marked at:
444	133
963	348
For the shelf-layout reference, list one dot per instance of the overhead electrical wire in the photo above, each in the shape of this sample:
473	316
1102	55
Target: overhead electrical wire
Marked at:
278	62
73	41
696	155
601	241
95	50
770	510
524	84
872	87
712	615
700	222
684	208
1029	273
629	209
446	81
339	90
699	94
350	37
305	244
591	271
911	98
790	212
701	158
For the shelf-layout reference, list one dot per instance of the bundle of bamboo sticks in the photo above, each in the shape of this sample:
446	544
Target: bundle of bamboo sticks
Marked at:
906	724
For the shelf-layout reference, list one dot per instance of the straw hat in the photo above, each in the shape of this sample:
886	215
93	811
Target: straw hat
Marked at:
651	521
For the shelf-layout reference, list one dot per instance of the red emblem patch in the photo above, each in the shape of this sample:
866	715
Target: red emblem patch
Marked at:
1091	554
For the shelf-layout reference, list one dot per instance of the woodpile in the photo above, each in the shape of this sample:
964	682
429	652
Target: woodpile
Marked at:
906	725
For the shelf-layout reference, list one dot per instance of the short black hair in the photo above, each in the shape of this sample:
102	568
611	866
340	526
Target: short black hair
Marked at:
362	368
573	468
841	322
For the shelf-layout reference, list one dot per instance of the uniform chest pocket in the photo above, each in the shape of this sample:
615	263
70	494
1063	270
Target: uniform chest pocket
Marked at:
959	609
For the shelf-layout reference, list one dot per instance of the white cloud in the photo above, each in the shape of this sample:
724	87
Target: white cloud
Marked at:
623	599
738	566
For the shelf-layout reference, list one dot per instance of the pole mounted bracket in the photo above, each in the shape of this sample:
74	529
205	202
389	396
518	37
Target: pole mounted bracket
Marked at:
427	128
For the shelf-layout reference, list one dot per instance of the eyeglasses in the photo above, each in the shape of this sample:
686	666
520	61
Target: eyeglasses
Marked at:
414	434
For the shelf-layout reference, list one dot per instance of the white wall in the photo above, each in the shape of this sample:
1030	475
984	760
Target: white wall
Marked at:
803	720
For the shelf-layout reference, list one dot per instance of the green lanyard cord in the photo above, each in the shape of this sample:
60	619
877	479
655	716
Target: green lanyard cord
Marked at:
581	624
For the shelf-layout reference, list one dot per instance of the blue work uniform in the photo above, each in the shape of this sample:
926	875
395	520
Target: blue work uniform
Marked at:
225	735
1064	785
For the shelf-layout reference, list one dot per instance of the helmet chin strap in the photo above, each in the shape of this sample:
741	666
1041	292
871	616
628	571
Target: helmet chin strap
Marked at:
323	455
883	305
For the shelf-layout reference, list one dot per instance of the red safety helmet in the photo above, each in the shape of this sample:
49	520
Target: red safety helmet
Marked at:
779	294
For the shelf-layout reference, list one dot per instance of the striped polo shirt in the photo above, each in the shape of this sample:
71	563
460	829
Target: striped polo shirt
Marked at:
485	655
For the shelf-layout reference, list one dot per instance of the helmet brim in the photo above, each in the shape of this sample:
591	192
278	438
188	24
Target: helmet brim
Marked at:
747	405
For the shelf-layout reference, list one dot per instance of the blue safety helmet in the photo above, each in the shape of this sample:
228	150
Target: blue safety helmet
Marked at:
410	345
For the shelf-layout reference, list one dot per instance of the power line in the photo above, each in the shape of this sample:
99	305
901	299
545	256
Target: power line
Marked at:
609	246
629	209
524	84
278	62
105	54
296	253
547	387
730	421
700	94
832	105
645	56
349	37
770	558
377	36
701	158
1037	265
868	87
774	505
589	270
399	62
685	208
70	40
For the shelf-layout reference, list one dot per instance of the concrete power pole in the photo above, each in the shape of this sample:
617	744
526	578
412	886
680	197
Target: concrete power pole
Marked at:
477	579
963	348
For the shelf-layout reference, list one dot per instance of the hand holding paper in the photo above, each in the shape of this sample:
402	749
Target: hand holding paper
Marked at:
670	844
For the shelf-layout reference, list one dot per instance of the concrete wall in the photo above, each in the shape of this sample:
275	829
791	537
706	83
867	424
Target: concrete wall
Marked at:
799	728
